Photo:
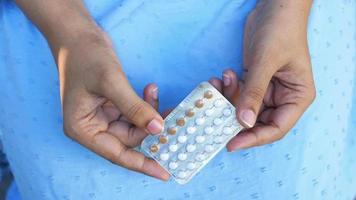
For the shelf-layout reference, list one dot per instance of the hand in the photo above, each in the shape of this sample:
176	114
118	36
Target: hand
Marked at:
101	110
277	84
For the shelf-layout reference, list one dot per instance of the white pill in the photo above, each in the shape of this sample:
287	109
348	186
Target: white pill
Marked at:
164	156
218	139
182	174
209	148
191	165
200	120
218	103
227	130
191	147
182	156
218	121
200	139
173	147
173	165
191	129
208	130
227	112
200	157
182	138
209	112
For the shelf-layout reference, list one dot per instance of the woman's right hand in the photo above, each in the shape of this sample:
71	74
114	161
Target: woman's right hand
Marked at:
100	109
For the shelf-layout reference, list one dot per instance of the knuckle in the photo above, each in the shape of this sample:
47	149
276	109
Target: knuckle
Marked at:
135	111
312	94
256	94
70	129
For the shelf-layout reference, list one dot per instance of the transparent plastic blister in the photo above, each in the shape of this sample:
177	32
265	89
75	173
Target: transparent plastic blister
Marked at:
194	132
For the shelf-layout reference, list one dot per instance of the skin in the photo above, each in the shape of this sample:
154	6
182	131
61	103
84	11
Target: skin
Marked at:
103	113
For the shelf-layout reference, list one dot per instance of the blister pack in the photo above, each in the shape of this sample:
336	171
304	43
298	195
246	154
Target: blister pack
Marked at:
194	132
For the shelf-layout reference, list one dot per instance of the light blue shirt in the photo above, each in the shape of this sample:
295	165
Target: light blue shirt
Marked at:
178	44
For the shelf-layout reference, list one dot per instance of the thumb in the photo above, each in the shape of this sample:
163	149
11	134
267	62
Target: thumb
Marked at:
117	88
256	80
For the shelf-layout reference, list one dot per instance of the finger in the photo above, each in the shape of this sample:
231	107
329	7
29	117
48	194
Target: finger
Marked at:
111	111
217	83
128	134
115	87
230	84
150	95
110	148
256	80
276	123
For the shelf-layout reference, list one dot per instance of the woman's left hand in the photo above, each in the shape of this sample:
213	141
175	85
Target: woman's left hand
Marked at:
277	85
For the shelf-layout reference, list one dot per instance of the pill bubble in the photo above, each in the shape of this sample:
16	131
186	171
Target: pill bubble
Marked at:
173	165
218	139
163	139
200	120
189	113
172	130
191	129
200	139
182	156
191	165
199	103
182	138
173	147
154	148
191	147
227	112
182	174
208	130
180	122
227	130
164	156
209	112
200	157
208	94
217	121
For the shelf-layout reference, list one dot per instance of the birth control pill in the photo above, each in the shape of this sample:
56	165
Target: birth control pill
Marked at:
200	139
199	103
227	130
182	138
191	129
173	147
191	165
163	139
189	113
191	147
164	156
227	112
208	94
182	174
218	121
182	156
172	130
200	120
209	112
180	122
173	165
208	130
154	148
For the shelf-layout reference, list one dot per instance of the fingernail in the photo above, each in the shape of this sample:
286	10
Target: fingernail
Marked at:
155	93
226	80
155	126
248	117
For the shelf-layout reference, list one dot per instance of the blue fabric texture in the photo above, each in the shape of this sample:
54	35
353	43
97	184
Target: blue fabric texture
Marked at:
178	44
